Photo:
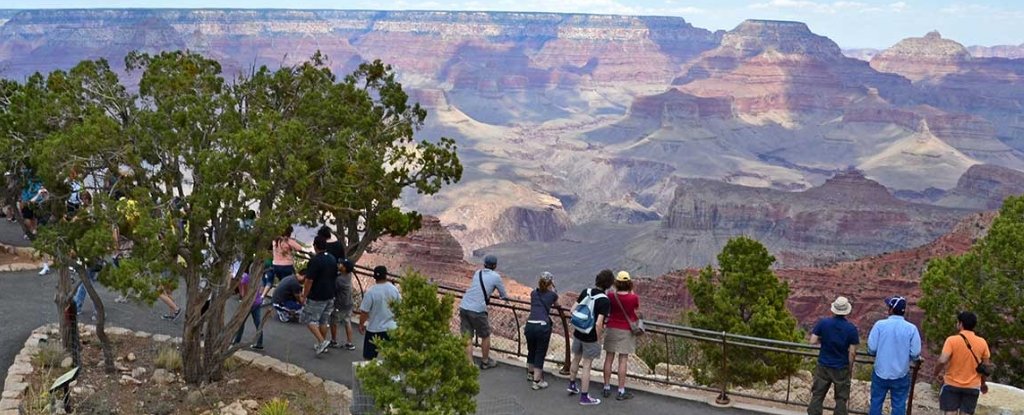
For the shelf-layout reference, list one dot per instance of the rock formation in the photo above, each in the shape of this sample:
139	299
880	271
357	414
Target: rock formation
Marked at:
922	58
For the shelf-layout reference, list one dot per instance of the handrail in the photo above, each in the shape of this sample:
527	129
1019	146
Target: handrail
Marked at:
669	331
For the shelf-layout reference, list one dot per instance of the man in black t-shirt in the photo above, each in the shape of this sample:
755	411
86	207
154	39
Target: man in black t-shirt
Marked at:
286	296
585	346
318	294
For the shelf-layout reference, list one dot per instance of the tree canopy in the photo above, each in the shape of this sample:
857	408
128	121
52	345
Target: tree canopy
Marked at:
989	281
743	297
177	165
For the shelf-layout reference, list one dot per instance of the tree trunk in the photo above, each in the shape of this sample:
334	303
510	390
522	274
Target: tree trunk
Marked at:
101	322
63	300
206	338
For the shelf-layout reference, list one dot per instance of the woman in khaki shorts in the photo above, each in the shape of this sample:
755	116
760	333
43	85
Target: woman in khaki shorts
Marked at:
619	339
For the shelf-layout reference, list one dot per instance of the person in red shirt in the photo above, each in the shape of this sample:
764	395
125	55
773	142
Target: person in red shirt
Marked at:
619	339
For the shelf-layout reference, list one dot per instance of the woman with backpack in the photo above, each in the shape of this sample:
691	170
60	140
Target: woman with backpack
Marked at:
620	338
538	328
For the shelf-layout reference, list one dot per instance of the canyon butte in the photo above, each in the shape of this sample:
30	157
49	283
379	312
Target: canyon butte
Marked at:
640	143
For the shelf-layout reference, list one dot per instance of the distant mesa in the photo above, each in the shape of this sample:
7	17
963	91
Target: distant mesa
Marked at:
921	58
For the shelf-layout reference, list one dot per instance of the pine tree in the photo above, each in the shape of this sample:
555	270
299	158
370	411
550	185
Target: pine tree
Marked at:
743	297
430	361
989	281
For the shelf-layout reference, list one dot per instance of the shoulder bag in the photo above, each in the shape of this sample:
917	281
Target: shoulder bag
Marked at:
981	369
636	327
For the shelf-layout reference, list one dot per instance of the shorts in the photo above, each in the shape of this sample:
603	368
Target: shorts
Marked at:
589	350
369	343
619	341
340	315
473	322
952	399
316	312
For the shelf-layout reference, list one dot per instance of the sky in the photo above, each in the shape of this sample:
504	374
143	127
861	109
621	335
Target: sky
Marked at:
851	23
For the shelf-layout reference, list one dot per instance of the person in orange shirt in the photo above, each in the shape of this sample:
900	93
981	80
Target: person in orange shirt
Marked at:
962	356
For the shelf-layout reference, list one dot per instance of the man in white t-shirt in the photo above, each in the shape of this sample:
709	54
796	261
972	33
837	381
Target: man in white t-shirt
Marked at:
375	316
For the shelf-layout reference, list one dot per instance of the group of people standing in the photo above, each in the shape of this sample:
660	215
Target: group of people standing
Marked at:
895	343
321	295
610	326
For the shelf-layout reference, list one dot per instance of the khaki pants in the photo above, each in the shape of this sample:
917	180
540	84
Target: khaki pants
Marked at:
825	377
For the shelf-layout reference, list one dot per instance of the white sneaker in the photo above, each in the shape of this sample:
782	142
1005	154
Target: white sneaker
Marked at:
322	347
45	270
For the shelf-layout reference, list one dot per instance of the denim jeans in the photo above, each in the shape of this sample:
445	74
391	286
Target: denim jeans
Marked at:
80	292
255	313
898	389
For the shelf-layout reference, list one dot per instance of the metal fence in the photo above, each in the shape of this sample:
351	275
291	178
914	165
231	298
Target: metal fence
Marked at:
682	358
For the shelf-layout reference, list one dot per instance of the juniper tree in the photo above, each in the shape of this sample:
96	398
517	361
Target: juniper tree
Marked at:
989	281
425	355
743	297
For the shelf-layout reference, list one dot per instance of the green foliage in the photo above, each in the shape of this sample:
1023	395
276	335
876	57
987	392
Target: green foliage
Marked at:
989	281
276	406
192	153
743	297
168	358
431	362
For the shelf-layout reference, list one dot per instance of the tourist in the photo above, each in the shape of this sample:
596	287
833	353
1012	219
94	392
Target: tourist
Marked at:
287	297
318	294
838	339
965	356
335	246
284	249
166	287
31	196
375	316
894	342
343	305
254	312
585	346
538	328
473	309
619	338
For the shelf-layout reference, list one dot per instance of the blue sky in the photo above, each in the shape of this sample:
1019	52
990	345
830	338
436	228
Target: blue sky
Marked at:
851	23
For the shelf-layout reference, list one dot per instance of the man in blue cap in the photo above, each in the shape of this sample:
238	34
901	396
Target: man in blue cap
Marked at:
473	309
894	342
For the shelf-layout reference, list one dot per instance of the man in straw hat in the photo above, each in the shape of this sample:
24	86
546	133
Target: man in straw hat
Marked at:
838	339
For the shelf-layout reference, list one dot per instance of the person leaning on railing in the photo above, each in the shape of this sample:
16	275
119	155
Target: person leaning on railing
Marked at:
538	328
894	342
473	309
838	339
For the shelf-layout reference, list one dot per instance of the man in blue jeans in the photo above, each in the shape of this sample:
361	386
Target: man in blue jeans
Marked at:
894	342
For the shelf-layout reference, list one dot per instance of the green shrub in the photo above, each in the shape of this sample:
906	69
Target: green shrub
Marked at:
168	358
276	406
49	355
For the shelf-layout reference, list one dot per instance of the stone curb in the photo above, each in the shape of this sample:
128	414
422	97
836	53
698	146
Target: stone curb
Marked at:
15	384
24	252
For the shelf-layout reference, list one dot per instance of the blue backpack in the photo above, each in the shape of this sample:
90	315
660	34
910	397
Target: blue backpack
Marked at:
583	313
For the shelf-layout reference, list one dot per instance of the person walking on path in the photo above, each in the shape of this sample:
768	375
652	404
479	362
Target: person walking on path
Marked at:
838	339
343	305
894	342
538	328
375	316
254	312
964	357
318	294
473	309
284	249
619	338
585	345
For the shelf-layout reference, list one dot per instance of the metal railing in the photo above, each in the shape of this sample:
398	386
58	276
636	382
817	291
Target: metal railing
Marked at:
671	356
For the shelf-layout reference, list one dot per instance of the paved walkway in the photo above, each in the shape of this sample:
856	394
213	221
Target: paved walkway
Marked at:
11	234
26	302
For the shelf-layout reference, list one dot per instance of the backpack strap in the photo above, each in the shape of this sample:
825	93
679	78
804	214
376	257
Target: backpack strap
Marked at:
480	275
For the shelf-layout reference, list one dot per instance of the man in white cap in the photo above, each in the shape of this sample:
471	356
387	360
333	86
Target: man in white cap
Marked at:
838	339
473	309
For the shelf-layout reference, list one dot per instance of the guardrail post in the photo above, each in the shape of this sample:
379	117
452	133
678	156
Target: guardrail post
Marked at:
723	397
915	367
565	332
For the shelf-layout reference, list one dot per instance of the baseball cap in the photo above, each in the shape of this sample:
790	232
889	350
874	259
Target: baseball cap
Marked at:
490	260
547	276
380	272
622	276
896	303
